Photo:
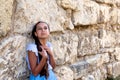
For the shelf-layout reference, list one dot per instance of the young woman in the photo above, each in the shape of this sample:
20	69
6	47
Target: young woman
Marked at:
40	56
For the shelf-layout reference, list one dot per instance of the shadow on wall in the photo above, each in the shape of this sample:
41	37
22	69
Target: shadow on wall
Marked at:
111	78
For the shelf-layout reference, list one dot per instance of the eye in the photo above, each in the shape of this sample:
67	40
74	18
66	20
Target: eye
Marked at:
45	28
39	29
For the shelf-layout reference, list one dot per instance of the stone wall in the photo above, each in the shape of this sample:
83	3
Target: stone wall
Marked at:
85	35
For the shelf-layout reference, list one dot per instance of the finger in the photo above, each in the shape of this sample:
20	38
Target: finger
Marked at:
40	52
46	48
42	47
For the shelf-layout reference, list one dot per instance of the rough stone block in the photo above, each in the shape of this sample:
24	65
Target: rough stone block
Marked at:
5	16
12	52
65	48
88	44
86	14
64	73
79	69
113	69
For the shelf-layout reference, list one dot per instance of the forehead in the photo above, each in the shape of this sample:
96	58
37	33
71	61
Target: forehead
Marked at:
42	25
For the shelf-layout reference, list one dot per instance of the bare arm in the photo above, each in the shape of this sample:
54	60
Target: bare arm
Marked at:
35	67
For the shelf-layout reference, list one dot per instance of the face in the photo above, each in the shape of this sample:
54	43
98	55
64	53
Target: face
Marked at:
42	31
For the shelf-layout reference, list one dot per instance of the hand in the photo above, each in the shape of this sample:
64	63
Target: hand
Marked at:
48	50
43	53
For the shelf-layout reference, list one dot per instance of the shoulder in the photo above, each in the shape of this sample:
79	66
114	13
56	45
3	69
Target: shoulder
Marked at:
32	47
49	44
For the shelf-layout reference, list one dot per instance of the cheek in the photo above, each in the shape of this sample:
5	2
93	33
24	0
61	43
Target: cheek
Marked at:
38	33
48	32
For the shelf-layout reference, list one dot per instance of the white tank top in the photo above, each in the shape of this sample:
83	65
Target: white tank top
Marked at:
32	47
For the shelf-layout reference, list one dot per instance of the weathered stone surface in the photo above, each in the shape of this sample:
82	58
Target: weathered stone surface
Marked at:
88	77
109	2
12	60
65	48
105	42
106	1
117	36
5	16
68	4
109	69
85	37
99	74
79	69
117	54
97	60
113	15
113	69
28	13
64	73
117	2
118	16
88	44
87	13
104	14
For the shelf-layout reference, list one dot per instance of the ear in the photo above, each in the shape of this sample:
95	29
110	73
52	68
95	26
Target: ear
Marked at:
35	34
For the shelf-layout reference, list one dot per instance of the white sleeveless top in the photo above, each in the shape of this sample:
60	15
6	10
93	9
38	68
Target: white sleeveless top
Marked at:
33	47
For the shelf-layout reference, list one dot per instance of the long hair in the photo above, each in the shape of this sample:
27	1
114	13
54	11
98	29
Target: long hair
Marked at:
44	71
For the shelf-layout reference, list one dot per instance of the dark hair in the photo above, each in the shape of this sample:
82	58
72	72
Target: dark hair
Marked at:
44	70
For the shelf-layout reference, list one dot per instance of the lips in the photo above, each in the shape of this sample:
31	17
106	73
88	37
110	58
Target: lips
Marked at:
43	33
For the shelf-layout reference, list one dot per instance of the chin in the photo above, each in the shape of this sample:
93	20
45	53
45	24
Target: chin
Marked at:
43	37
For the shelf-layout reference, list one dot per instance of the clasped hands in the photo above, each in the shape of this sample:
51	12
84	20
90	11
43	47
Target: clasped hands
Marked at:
45	52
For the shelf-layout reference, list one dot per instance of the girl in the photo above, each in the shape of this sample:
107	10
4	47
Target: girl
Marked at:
40	57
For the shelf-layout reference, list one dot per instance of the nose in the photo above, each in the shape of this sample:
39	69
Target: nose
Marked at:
43	29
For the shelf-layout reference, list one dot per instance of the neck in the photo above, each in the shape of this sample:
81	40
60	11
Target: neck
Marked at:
43	41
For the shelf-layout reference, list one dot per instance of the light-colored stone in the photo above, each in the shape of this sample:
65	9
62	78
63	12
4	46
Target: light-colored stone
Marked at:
64	73
106	50
88	77
85	35
68	4
65	48
28	13
118	16
99	74
97	60
113	69
113	15
117	36
117	2
109	2
108	39
109	69
88	44
106	1
5	16
117	54
80	69
104	15
13	54
87	13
